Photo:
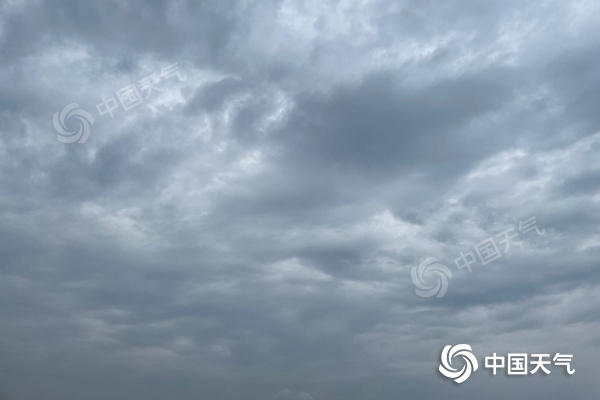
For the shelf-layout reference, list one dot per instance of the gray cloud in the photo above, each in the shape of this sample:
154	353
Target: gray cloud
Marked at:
253	227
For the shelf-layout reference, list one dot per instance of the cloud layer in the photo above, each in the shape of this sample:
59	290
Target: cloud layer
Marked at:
253	227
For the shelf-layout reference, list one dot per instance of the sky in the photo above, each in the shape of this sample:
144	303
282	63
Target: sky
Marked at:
246	224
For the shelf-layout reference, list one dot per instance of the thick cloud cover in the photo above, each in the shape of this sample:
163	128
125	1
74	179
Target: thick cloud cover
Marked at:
253	227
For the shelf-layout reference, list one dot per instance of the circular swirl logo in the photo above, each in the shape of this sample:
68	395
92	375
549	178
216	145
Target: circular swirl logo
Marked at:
463	350
428	267
85	124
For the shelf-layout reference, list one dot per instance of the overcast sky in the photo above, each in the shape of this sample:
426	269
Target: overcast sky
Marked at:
253	226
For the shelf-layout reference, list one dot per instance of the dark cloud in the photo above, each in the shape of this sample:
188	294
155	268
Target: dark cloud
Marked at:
253	227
